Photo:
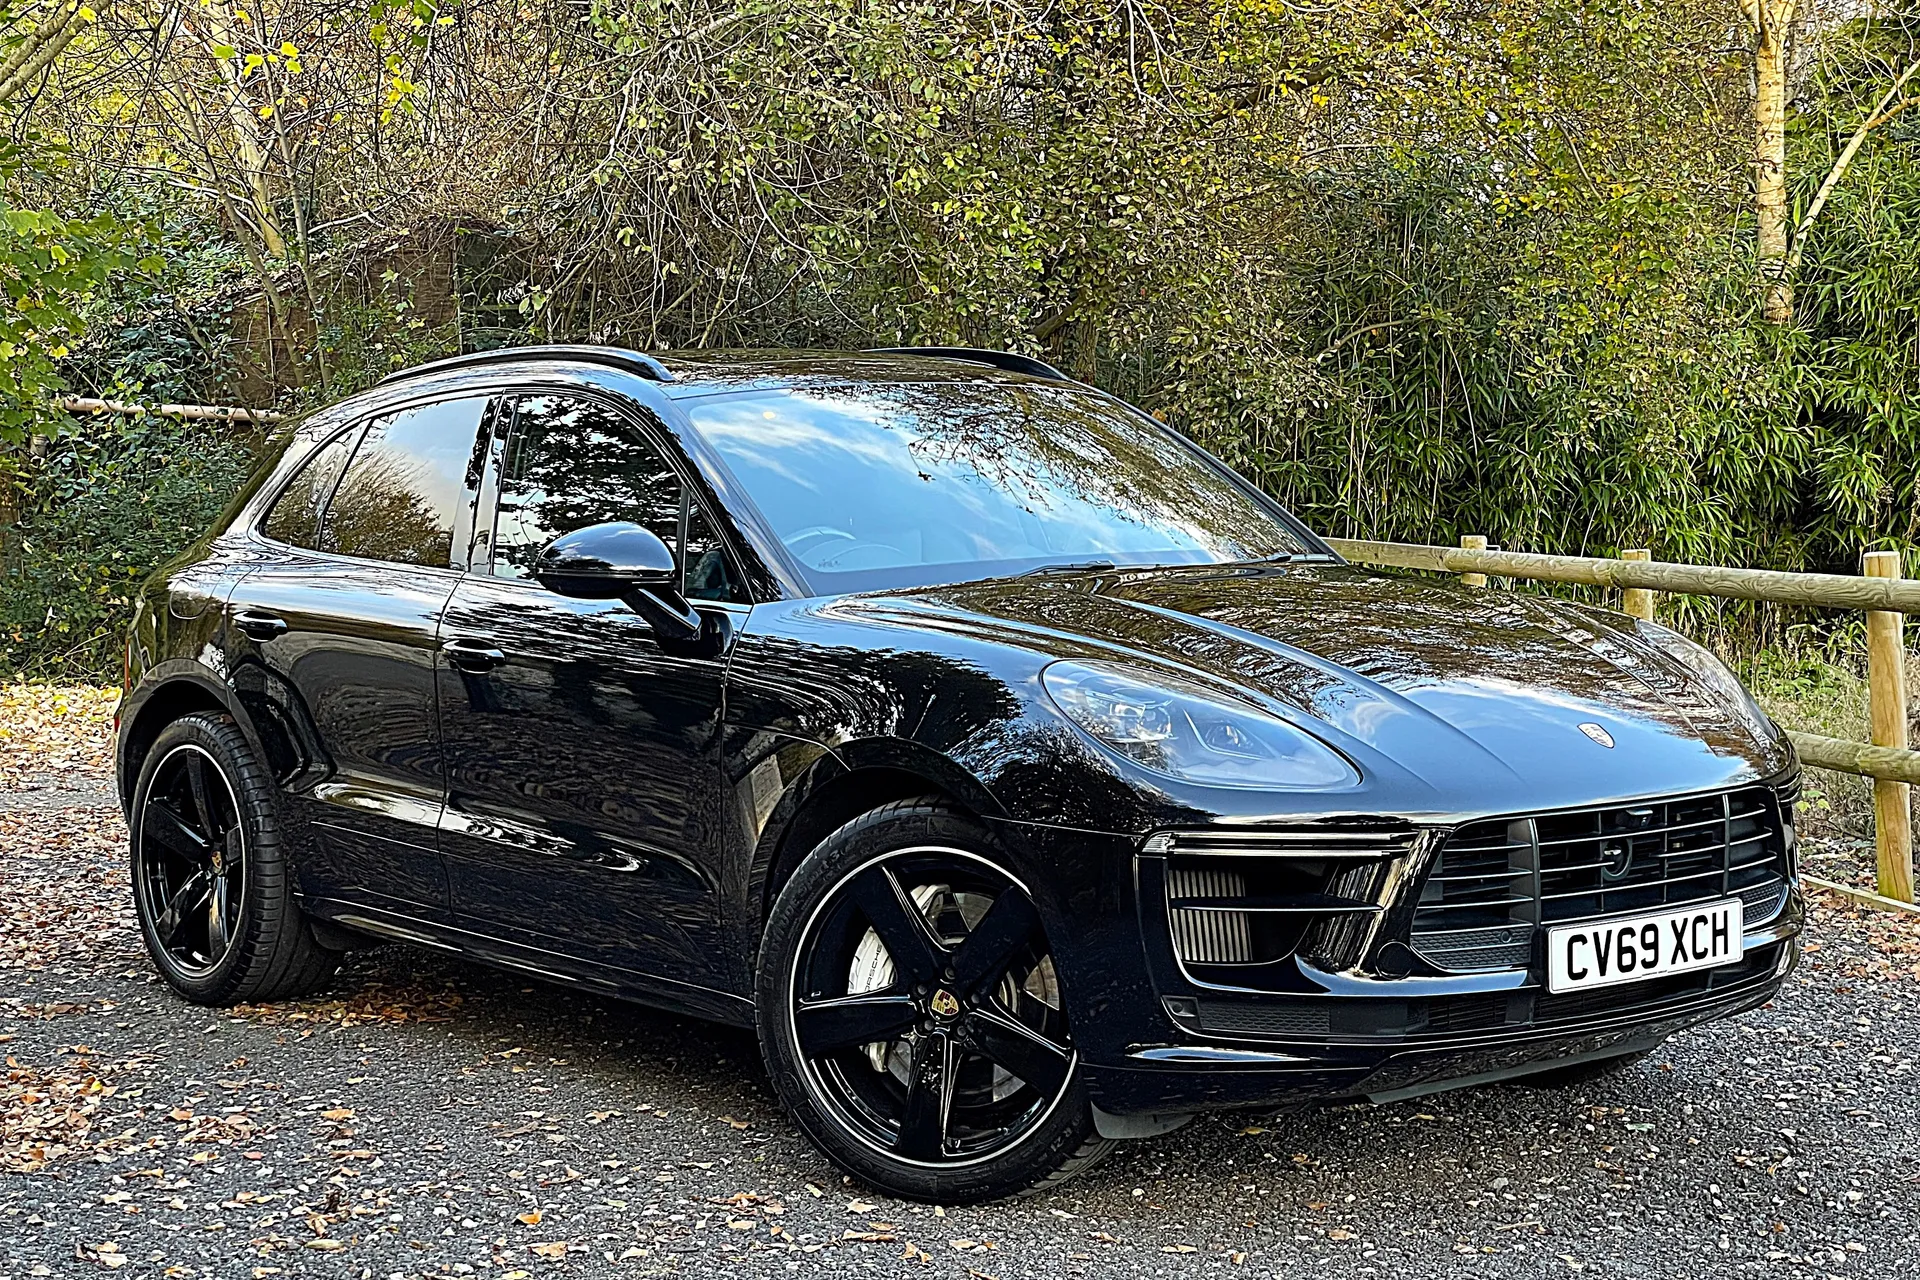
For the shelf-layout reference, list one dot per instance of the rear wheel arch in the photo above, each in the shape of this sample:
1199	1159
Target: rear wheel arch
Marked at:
168	701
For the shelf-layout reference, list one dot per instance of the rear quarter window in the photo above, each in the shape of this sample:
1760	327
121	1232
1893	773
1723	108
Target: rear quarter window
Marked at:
299	513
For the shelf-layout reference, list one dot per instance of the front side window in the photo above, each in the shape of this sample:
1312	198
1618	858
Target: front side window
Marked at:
570	463
402	493
705	565
915	484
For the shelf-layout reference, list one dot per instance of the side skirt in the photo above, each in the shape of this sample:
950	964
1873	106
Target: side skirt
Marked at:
373	926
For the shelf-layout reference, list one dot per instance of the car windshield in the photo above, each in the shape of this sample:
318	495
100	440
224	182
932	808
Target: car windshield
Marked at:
916	484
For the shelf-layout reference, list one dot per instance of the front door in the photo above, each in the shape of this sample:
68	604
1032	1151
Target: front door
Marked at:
581	755
335	633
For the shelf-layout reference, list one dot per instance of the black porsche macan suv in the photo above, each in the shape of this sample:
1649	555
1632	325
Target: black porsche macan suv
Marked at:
1024	776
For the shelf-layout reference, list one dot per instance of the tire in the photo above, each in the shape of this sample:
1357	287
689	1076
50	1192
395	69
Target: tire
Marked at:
1581	1073
211	882
892	1055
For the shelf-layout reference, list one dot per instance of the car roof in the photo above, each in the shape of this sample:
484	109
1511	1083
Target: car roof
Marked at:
686	374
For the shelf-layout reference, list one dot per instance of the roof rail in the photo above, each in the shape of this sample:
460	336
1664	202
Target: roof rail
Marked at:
1007	360
615	357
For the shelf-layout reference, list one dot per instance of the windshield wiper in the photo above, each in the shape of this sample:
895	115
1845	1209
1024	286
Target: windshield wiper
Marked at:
1075	566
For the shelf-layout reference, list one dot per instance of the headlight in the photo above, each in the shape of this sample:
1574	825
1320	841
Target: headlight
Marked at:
1191	733
1711	672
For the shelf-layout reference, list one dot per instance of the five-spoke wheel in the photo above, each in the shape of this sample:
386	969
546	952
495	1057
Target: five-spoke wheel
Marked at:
917	1012
189	857
211	881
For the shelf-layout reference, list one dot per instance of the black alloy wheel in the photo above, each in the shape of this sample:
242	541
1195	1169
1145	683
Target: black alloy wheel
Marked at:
190	854
915	1021
211	881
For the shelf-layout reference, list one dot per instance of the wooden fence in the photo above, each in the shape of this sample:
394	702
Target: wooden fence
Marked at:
1881	592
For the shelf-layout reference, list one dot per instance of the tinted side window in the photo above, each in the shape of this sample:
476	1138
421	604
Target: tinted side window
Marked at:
571	463
299	512
705	563
401	497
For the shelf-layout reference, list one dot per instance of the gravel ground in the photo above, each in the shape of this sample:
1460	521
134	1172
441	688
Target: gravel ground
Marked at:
432	1118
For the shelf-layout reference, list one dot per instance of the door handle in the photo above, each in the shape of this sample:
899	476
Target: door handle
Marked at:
260	624
473	655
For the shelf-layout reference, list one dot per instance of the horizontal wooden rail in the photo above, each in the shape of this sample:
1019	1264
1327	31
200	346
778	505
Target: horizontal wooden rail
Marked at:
1823	590
1889	764
1865	897
202	412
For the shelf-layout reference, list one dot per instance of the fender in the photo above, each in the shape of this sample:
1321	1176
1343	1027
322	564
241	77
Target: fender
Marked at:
898	767
163	681
269	712
935	766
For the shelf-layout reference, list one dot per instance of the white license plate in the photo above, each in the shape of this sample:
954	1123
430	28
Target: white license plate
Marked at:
1601	953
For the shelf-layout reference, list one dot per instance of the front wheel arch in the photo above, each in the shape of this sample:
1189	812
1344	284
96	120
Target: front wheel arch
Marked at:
267	949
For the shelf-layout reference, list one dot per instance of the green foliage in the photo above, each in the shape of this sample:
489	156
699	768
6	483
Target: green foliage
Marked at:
98	514
1475	268
1857	369
363	342
1470	266
50	265
150	336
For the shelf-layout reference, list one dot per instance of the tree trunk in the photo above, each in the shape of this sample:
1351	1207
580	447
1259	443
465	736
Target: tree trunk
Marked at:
1772	21
250	150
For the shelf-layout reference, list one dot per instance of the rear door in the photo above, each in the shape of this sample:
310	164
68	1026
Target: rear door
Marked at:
338	622
582	755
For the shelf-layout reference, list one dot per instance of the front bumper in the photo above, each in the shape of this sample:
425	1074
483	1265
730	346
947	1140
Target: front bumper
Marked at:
1217	1073
1161	1036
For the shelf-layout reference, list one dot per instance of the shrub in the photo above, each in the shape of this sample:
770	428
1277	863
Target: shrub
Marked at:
96	513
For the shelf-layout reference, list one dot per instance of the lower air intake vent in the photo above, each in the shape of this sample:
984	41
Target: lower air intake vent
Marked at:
1209	937
1225	1017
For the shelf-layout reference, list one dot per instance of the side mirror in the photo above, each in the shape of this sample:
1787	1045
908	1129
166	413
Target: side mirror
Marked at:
620	561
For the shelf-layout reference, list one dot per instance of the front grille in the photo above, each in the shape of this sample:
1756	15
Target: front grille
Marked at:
1495	883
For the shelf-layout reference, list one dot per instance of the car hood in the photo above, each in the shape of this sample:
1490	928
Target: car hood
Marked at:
1475	698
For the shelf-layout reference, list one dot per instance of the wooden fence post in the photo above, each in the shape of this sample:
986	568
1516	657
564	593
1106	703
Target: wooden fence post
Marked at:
1887	701
1473	542
1634	601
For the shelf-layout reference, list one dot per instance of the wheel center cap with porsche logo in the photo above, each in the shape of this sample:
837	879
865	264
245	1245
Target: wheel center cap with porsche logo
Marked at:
944	1004
1597	733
